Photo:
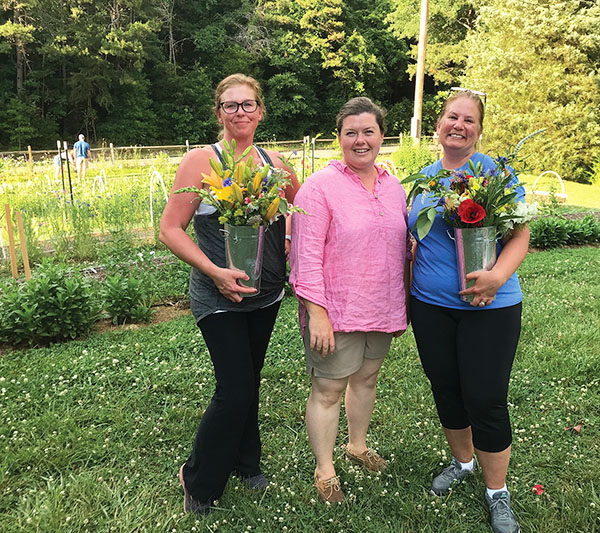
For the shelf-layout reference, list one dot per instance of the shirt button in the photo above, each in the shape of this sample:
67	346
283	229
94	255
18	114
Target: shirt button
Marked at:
381	213
376	196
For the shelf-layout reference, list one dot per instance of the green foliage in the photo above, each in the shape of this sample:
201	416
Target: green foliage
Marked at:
411	159
594	173
57	304
448	23
552	232
125	299
551	42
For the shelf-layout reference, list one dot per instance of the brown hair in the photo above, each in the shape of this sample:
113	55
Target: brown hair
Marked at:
233	81
356	106
465	94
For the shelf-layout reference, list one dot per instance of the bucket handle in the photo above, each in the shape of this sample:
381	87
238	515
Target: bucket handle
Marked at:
452	238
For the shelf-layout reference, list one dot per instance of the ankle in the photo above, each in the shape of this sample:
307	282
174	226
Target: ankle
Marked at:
356	449
325	472
491	492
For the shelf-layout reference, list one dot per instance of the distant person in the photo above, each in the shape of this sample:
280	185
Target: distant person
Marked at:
65	156
81	153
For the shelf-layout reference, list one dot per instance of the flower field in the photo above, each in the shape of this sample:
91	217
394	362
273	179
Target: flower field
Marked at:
112	200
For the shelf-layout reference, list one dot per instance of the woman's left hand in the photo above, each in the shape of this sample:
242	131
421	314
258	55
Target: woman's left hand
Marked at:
398	333
487	283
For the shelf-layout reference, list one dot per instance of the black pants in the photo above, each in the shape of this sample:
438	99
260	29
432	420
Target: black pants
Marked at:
228	439
468	356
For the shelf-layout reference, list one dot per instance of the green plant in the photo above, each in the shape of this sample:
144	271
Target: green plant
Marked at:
125	299
551	232
57	304
411	159
594	172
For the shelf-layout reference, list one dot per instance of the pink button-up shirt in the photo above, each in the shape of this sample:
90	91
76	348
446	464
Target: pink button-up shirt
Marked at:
349	251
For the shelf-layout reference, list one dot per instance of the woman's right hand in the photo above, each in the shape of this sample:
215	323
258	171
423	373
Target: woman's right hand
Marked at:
321	331
226	281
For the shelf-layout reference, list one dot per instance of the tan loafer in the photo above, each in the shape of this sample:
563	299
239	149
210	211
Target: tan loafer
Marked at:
370	459
329	489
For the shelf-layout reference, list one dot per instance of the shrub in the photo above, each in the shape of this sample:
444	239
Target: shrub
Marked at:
125	300
410	159
550	232
57	304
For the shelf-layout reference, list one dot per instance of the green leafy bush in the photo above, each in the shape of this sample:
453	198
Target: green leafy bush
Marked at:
410	159
57	304
125	299
550	232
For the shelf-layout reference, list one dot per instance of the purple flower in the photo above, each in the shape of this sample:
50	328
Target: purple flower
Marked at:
227	182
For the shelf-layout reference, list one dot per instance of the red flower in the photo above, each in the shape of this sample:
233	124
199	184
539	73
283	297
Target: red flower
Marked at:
538	489
471	212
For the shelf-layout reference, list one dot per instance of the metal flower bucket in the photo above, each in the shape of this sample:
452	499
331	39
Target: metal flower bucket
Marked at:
244	251
475	250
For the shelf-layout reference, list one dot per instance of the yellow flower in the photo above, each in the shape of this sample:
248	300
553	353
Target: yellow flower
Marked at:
214	180
237	192
273	208
223	194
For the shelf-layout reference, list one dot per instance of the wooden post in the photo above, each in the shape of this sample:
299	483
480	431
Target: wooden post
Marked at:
11	243
23	244
187	145
112	152
30	153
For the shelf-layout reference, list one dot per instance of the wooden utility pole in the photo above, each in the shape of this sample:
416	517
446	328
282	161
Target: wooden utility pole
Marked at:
415	123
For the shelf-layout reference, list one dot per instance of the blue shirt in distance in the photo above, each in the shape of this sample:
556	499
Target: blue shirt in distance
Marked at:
81	149
435	271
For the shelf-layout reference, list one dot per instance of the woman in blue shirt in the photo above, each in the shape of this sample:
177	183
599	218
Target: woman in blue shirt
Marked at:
467	349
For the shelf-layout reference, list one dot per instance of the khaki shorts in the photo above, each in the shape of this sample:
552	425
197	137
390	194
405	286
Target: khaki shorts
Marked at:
351	349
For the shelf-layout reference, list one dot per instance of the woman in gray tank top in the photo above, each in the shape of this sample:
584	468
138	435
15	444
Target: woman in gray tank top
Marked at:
236	330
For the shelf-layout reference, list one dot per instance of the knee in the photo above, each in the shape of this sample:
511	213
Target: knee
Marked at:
236	396
325	398
487	412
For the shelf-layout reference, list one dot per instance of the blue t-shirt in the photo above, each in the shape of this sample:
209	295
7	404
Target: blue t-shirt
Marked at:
81	149
435	272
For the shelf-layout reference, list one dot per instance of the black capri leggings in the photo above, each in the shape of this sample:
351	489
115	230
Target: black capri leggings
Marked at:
467	356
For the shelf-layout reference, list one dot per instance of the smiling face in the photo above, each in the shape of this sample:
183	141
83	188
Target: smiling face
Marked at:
239	125
459	127
360	140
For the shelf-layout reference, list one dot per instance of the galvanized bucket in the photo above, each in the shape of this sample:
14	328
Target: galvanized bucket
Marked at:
244	251
475	250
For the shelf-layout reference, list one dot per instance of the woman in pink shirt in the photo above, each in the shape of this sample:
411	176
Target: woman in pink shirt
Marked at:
349	269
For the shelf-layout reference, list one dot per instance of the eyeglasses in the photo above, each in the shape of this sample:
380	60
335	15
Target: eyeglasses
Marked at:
249	106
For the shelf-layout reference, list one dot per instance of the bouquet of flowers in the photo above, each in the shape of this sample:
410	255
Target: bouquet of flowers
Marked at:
471	198
244	194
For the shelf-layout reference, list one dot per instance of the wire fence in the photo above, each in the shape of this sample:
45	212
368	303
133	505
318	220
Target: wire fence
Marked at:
124	153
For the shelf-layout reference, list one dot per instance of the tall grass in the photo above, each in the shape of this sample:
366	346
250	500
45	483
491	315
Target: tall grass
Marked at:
94	431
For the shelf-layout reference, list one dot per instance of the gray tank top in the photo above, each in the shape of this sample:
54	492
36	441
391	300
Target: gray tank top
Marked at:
205	298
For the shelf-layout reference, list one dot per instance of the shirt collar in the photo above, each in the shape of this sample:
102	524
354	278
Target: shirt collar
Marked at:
381	173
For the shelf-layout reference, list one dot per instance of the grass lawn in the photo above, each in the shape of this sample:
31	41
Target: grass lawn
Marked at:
94	431
578	194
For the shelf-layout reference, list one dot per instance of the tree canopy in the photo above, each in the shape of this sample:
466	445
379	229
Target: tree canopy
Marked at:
133	72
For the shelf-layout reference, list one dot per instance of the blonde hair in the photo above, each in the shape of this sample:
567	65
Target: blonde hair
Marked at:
233	81
465	94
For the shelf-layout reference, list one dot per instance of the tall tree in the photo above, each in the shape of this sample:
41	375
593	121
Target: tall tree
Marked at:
449	22
538	63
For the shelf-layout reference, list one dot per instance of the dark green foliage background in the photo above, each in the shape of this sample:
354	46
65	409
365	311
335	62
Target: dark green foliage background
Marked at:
142	73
